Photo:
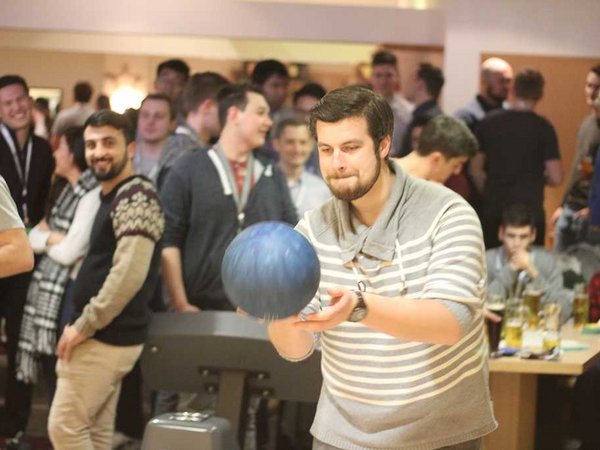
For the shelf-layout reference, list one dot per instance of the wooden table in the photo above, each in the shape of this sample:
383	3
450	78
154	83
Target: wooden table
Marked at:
513	385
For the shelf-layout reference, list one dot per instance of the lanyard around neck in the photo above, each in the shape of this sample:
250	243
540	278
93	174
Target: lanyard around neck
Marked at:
240	200
23	175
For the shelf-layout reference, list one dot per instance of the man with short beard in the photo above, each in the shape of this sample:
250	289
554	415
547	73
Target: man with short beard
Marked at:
494	85
398	312
27	165
111	294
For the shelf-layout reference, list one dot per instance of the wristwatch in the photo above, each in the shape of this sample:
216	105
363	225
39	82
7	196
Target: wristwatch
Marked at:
360	310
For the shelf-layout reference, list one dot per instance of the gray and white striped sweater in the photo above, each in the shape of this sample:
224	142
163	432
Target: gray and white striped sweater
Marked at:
380	392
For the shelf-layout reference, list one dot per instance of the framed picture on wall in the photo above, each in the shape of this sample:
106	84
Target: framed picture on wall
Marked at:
53	95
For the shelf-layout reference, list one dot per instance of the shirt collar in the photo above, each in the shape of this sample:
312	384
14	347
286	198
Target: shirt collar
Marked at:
377	241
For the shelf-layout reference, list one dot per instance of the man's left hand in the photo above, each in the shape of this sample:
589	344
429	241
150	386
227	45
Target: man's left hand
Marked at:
343	302
70	339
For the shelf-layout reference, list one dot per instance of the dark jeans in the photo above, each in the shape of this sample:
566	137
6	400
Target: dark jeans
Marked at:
17	395
130	415
130	418
586	410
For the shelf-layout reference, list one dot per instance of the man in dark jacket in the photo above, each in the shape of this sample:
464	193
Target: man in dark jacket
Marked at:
210	196
26	164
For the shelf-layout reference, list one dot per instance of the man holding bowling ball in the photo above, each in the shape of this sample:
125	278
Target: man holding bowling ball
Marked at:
398	313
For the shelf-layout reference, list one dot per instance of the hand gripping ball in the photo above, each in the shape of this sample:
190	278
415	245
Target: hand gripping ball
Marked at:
270	271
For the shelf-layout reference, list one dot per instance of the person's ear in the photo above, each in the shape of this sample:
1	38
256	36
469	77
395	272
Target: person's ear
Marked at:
385	146
533	236
131	149
501	233
435	158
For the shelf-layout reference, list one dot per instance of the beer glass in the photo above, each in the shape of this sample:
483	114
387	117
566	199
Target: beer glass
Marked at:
532	298
550	319
581	306
495	304
517	316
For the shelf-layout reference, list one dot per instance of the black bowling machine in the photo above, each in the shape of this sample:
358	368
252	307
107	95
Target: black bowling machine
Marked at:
220	352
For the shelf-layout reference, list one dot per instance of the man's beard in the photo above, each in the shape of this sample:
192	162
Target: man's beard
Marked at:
495	97
358	191
113	171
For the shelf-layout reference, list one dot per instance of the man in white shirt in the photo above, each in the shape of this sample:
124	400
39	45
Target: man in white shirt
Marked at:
385	80
294	144
156	120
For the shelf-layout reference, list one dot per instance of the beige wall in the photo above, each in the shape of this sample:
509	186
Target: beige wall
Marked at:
53	69
62	69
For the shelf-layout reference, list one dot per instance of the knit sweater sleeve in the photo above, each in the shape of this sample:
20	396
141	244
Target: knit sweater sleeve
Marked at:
138	225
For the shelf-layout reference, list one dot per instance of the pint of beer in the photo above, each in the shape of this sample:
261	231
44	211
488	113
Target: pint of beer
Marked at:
517	316
581	306
532	299
496	306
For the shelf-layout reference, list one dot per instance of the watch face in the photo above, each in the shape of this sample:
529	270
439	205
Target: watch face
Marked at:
358	314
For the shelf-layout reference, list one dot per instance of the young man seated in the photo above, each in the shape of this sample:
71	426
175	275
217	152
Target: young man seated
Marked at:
518	261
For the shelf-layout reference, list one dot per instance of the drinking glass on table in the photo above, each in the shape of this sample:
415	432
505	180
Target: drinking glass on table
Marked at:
532	299
550	320
496	304
517	316
581	306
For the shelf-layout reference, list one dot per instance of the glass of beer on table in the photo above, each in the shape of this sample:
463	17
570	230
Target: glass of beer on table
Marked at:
581	306
496	305
550	316
532	299
517	316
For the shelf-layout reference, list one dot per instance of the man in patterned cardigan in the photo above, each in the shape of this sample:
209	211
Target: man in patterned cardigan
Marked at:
111	293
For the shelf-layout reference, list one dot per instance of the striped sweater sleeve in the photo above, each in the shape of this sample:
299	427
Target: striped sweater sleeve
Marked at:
456	273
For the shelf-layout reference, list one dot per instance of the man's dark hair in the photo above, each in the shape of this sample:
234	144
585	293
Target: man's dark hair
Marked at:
517	215
384	58
200	87
596	70
289	122
354	102
234	95
42	103
76	145
107	118
163	98
529	85
82	92
447	135
267	68
314	90
433	78
176	65
9	80
103	102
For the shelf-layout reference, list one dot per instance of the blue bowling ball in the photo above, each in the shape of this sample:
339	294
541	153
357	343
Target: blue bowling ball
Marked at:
270	271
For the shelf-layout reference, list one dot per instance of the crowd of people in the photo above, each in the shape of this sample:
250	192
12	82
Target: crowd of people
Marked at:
132	213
